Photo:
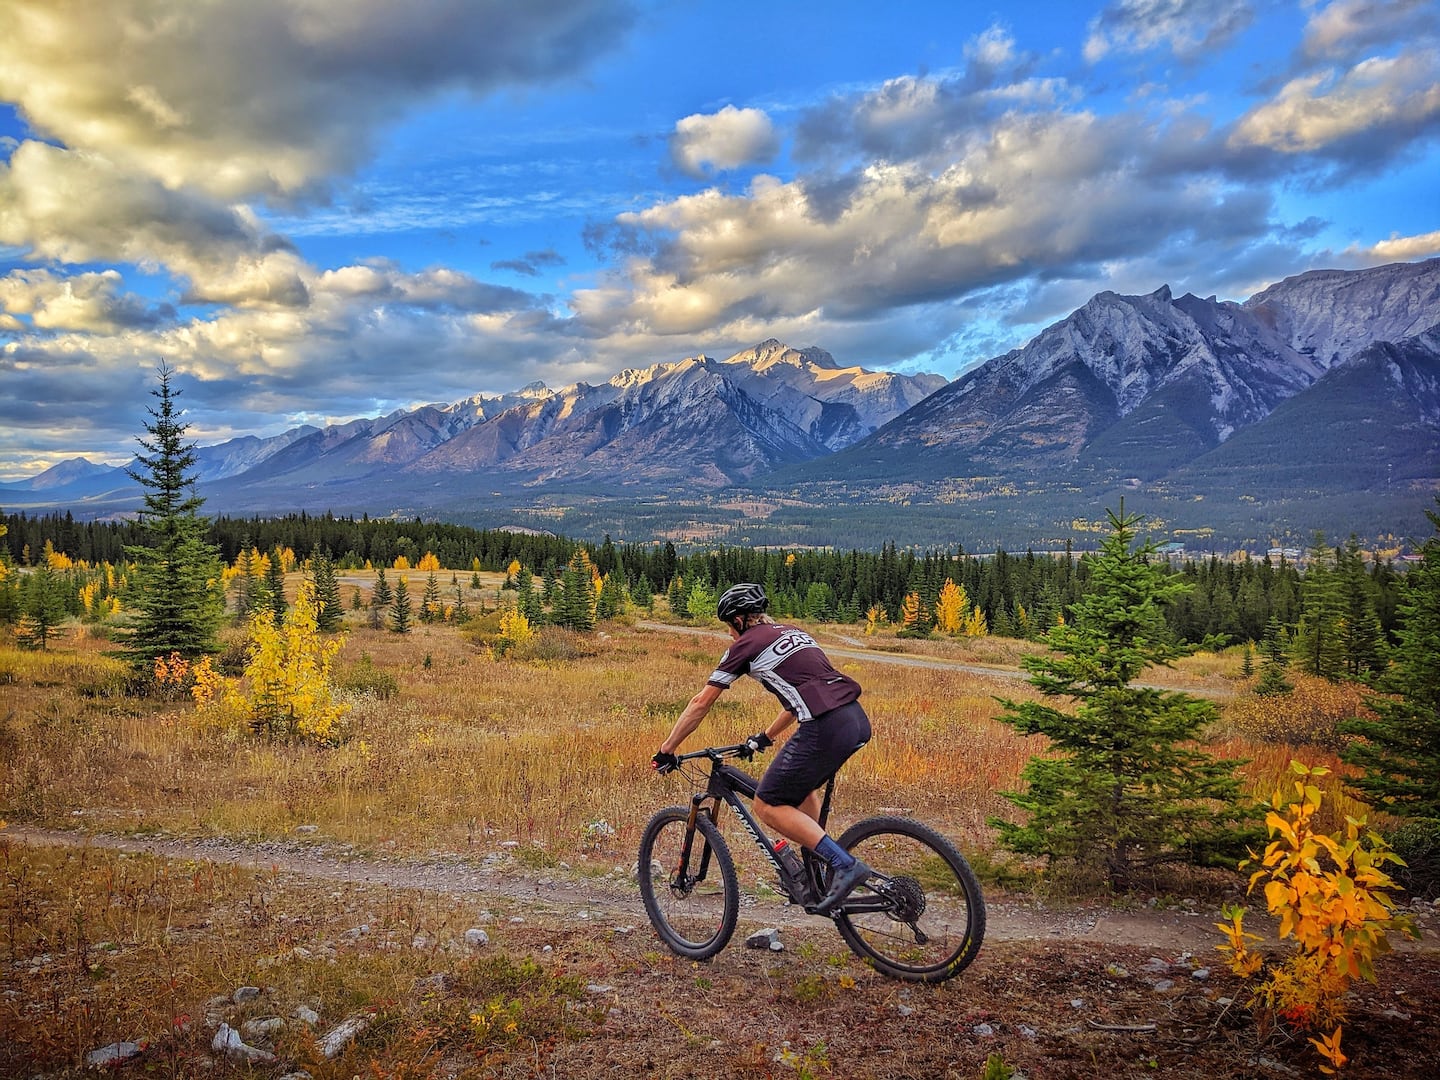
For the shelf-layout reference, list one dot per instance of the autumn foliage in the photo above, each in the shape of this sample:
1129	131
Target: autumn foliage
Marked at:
1330	895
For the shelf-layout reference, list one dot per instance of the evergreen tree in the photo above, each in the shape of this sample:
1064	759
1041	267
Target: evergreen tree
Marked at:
1361	639
527	602
243	587
42	607
611	600
400	610
329	607
1399	750
1317	636
575	602
1272	671
430	606
176	589
275	585
676	596
1123	784
644	593
381	599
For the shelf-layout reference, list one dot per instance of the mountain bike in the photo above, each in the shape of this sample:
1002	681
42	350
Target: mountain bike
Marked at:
920	916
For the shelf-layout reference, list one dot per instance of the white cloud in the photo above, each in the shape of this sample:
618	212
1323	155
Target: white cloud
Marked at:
1403	248
271	98
91	302
1050	194
68	206
728	139
1344	28
1187	28
1379	95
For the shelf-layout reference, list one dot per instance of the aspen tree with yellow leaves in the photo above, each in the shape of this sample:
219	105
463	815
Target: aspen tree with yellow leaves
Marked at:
951	609
290	693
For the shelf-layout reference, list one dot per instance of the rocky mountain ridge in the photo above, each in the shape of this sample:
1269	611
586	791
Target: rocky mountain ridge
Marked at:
1140	385
1323	389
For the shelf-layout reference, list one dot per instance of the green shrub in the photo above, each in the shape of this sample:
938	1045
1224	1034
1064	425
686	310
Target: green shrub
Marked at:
365	678
554	644
1417	841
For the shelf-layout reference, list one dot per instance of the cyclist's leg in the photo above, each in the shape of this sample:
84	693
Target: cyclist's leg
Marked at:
788	798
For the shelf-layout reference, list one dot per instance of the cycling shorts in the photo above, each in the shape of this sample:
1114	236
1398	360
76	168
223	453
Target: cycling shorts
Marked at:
814	754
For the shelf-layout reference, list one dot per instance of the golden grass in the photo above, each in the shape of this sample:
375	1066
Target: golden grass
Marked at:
474	751
102	947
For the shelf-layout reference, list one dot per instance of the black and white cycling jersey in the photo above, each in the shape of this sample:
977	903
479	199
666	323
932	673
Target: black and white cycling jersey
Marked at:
787	662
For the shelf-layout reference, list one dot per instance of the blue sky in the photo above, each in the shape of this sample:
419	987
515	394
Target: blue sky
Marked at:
321	209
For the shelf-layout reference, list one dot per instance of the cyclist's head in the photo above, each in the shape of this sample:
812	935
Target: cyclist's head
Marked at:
740	600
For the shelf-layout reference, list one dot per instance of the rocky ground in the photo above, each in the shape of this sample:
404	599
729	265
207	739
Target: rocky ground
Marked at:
1058	990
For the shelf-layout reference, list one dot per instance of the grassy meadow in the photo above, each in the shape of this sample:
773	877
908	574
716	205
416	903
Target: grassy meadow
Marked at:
542	755
540	746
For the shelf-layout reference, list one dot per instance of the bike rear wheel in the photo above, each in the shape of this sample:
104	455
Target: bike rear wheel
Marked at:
693	901
934	922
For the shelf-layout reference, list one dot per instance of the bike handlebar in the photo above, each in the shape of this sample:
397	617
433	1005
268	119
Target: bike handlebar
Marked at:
714	753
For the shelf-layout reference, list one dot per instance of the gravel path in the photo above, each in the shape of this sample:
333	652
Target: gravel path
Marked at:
1186	927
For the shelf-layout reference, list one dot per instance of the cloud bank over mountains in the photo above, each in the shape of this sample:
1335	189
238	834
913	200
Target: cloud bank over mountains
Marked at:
912	221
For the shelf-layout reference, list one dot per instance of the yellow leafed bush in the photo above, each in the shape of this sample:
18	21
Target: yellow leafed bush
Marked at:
288	682
1330	895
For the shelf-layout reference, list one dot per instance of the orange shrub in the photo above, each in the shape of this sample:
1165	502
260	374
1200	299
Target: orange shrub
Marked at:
1306	717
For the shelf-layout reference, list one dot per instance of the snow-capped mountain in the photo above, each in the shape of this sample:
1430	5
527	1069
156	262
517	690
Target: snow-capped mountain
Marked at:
1321	392
698	420
1139	385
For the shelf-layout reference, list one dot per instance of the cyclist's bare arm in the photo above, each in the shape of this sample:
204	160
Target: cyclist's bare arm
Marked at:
690	718
779	724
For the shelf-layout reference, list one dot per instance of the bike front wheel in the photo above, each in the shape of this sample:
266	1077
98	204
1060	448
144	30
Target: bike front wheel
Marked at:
688	883
932	921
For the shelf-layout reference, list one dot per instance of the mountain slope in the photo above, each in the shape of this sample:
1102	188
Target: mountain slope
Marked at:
1372	422
1137	386
1332	314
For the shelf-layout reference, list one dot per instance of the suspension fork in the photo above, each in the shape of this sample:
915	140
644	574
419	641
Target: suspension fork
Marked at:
697	807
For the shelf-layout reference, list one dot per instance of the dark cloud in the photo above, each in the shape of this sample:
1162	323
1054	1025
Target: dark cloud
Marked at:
607	240
531	263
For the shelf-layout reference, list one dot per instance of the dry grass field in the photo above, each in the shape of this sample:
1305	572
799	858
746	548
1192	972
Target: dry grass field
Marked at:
538	765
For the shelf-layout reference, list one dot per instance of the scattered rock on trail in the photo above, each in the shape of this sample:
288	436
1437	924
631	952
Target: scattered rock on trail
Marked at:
228	1042
343	1034
769	938
262	1029
112	1056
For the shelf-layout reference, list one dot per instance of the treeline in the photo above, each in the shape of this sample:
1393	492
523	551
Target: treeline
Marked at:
1019	594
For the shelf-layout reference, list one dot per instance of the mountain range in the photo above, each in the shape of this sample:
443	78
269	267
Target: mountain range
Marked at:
1320	392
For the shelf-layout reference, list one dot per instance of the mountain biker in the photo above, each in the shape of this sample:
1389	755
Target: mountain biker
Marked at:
831	727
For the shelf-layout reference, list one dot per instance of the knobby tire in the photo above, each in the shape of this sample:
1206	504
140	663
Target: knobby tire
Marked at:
696	924
942	892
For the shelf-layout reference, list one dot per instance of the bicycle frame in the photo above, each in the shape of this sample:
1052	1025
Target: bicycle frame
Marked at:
731	786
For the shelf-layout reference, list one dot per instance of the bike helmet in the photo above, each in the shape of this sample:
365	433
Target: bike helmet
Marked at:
746	598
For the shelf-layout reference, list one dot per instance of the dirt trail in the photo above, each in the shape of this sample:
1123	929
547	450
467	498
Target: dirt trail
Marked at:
1185	928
